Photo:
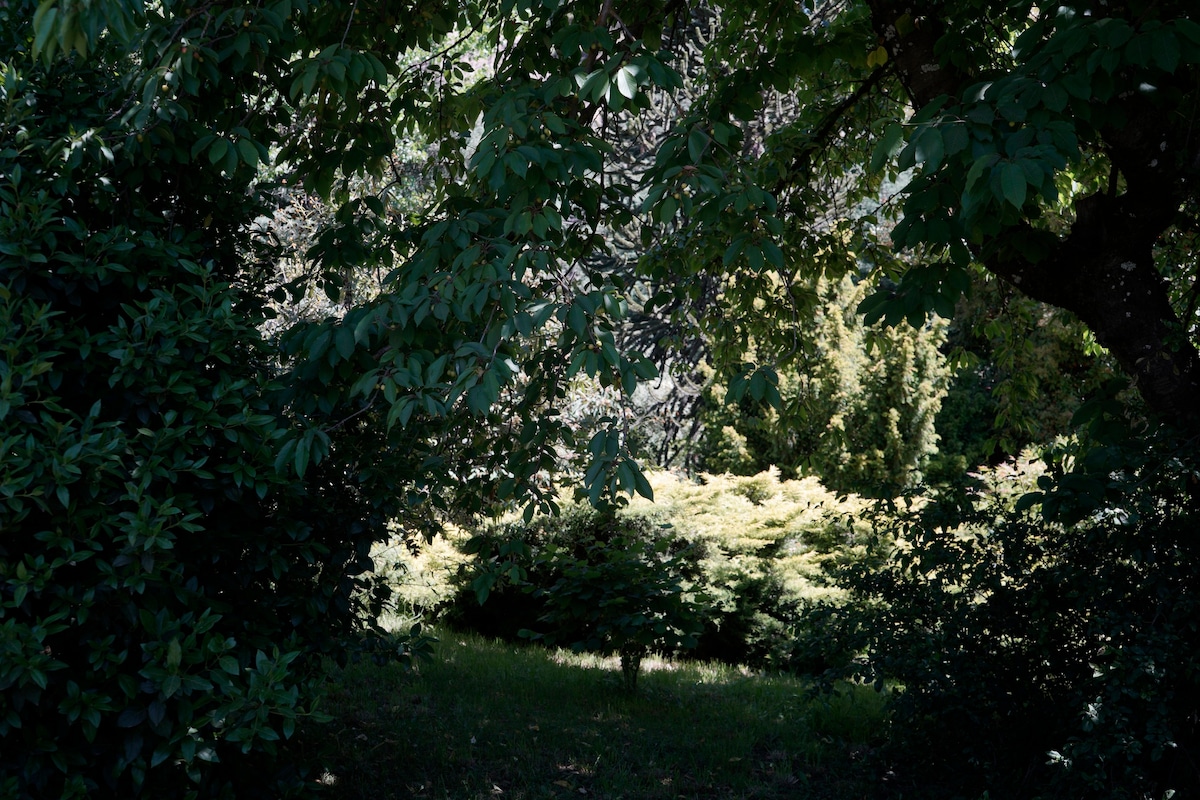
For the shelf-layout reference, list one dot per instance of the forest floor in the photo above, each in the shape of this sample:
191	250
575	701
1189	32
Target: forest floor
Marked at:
486	719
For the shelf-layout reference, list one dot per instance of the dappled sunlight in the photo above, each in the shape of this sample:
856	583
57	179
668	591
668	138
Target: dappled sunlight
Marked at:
695	672
328	324
569	658
489	719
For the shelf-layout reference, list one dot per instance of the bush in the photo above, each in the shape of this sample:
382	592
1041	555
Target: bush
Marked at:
588	579
757	548
169	586
1051	654
751	620
509	557
626	594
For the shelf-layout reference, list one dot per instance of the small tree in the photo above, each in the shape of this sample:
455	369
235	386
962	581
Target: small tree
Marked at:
858	412
627	595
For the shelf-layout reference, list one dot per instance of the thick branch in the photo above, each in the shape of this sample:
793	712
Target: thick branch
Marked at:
1104	273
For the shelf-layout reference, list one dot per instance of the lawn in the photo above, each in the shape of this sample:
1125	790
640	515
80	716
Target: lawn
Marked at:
486	719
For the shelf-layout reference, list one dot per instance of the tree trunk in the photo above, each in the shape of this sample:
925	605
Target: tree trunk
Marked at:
631	665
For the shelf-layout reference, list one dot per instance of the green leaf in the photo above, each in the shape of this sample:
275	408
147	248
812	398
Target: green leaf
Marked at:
1055	97
309	79
220	147
908	156
363	327
201	144
627	81
45	30
577	320
929	148
772	253
284	455
696	143
594	86
1191	31
344	342
887	146
300	460
174	654
1166	50
1028	501
161	754
247	151
734	250
955	138
1140	50
1012	183
667	210
754	256
977	168
982	114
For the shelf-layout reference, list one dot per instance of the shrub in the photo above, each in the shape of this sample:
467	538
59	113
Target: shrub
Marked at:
626	594
751	618
508	557
1065	637
169	585
756	547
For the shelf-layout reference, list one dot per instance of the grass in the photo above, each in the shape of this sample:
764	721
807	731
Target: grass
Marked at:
487	719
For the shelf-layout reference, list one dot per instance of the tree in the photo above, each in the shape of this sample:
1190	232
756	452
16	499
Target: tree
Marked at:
186	524
858	412
621	590
1018	163
1023	370
181	546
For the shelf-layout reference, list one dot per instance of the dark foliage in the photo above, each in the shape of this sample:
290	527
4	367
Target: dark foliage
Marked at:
169	586
1044	654
514	559
755	625
589	580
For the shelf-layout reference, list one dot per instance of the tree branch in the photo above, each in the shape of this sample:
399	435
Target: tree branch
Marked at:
1103	270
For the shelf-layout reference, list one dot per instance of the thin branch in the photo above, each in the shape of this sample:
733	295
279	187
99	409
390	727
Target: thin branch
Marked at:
829	124
440	53
367	406
349	22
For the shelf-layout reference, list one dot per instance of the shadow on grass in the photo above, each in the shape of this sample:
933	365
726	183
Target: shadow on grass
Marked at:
488	719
